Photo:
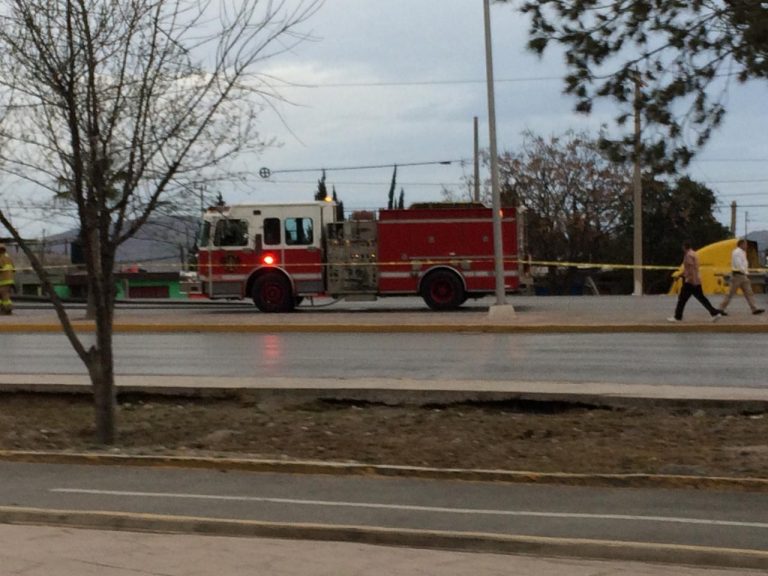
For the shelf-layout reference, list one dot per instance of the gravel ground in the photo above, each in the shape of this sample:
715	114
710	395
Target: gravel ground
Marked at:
507	436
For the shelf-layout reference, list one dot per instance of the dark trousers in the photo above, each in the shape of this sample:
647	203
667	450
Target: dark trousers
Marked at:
686	292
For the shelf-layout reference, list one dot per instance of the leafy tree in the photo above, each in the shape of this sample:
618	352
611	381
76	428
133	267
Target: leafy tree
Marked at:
685	53
672	213
579	209
339	205
391	196
322	190
573	195
401	200
128	105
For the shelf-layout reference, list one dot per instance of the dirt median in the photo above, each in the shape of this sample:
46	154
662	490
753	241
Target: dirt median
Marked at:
534	436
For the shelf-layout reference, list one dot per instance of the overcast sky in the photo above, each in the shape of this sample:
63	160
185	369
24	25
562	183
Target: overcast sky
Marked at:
400	81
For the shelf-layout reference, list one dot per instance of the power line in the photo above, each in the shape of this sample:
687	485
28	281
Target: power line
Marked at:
367	167
363	183
400	84
352	183
730	160
743	181
731	194
405	83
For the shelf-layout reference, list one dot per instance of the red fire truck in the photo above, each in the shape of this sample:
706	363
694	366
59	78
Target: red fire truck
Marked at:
279	254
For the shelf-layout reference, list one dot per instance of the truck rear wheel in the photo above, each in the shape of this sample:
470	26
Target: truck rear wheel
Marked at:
272	293
443	290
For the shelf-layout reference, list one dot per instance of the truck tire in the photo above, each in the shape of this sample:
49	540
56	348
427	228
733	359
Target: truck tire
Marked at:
272	293
443	290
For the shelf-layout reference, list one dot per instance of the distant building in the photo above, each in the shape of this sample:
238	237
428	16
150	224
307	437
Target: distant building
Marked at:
152	264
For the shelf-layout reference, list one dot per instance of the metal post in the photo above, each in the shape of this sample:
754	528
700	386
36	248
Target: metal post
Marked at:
733	218
498	245
201	189
477	161
637	237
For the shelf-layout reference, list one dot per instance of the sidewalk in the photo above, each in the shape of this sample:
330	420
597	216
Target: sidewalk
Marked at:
531	314
53	551
49	551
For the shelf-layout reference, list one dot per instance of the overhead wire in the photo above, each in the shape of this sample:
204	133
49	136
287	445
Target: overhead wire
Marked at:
461	161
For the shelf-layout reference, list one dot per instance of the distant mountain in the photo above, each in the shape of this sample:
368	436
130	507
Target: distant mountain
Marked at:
761	237
163	240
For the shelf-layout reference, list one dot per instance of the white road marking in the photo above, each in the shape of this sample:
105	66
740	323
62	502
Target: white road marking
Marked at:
405	507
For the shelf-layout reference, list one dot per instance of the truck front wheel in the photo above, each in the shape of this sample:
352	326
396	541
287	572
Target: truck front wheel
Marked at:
443	290
272	293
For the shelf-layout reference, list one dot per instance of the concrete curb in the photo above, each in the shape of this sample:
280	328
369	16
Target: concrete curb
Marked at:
460	541
390	396
397	392
638	328
424	473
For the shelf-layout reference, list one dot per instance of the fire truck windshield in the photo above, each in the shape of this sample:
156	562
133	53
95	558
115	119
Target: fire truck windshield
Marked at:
231	232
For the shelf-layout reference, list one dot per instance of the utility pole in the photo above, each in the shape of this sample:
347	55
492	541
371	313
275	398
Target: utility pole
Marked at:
201	189
498	245
733	218
637	196
477	162
42	252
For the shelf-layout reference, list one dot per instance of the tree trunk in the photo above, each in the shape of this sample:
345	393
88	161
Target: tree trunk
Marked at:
101	371
101	362
92	280
105	401
90	307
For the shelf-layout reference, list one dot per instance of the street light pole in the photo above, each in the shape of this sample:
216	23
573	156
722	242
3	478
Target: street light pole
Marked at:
498	245
476	196
637	198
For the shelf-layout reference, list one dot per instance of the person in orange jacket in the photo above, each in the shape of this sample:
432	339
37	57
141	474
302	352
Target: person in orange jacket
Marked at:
6	281
692	286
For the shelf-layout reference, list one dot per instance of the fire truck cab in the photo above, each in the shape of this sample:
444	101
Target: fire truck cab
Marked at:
270	252
278	254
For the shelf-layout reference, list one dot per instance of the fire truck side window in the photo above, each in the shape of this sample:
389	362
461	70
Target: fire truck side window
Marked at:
271	231
298	231
205	234
231	233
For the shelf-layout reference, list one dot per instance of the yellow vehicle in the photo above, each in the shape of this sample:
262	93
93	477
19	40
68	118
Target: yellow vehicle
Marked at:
715	268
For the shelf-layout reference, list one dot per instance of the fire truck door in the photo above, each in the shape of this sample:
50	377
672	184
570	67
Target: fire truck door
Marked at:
302	256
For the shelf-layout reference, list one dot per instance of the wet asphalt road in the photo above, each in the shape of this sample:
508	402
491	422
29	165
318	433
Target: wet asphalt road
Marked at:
663	358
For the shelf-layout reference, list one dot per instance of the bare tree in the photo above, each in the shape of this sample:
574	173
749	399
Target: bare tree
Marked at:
574	195
120	106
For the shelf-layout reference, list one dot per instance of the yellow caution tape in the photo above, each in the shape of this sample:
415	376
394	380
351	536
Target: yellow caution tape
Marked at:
457	261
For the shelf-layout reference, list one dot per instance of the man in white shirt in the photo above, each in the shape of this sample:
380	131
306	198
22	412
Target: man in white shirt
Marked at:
740	279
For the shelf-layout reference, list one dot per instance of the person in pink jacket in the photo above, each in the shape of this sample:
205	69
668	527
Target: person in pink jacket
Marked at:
692	286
